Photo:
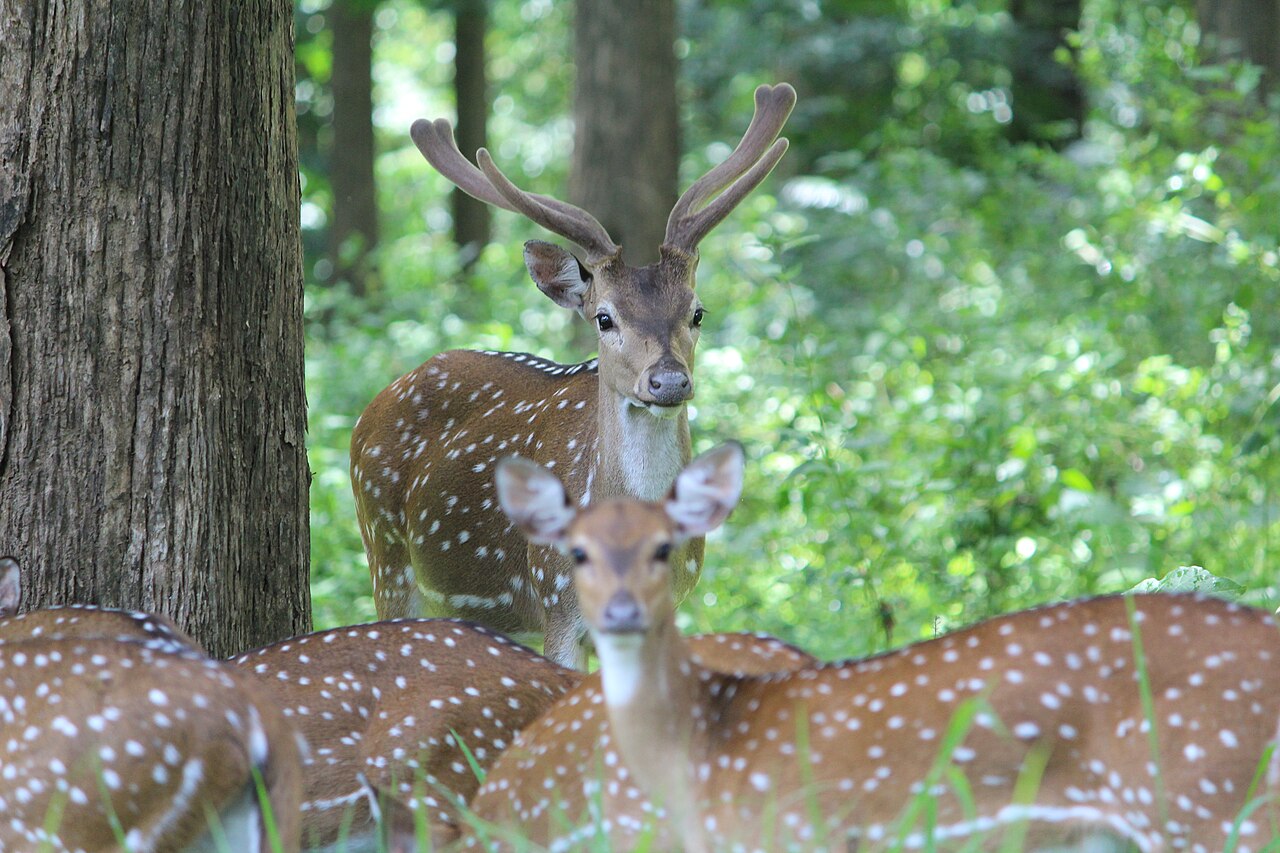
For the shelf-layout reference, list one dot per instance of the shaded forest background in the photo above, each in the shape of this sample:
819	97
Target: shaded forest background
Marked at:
1001	329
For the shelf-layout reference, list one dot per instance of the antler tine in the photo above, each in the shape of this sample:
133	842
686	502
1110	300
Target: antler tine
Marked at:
688	233
435	140
571	222
741	171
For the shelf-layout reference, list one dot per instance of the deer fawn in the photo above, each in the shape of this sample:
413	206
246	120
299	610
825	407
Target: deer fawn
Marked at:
110	744
562	777
615	425
1141	720
82	620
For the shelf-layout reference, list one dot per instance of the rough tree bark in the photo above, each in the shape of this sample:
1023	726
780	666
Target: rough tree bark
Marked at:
354	234
152	408
470	84
626	152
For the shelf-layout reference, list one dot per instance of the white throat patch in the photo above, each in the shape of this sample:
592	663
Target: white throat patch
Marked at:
620	668
650	452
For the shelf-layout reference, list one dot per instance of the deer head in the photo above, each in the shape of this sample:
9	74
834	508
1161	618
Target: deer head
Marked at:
648	317
621	547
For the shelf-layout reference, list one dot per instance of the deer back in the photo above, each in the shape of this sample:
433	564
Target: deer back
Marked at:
83	620
86	621
1033	725
402	706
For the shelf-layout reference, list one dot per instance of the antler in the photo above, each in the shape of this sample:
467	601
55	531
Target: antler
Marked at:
742	171
435	140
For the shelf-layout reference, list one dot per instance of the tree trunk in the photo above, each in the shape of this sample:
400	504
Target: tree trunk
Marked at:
470	217
1244	29
626	152
151	441
354	234
1048	100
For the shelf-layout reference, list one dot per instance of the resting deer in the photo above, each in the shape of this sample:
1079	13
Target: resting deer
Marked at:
423	451
1137	720
110	744
390	706
386	704
82	620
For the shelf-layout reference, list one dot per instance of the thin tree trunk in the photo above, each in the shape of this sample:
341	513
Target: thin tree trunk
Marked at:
151	444
1244	29
1048	99
626	142
354	235
470	83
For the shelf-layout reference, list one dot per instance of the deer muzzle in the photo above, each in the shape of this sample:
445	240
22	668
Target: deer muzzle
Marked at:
622	614
668	384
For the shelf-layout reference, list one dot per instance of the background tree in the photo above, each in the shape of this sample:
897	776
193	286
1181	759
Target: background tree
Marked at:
1244	29
471	91
354	236
1048	100
626	151
151	449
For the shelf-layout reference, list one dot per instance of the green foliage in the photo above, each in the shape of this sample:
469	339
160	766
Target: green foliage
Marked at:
966	385
1191	579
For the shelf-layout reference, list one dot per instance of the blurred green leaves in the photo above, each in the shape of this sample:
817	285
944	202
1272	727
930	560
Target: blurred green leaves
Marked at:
965	384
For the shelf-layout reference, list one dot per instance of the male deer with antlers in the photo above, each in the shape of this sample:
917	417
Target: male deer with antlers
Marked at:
1142	721
422	452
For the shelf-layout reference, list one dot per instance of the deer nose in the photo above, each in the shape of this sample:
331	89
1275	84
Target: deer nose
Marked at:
670	387
622	614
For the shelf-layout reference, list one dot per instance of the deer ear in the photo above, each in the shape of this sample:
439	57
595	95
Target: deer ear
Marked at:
558	274
10	586
707	490
534	499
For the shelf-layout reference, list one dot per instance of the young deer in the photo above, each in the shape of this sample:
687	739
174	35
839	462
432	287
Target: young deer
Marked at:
384	706
562	778
615	425
112	744
82	620
1140	720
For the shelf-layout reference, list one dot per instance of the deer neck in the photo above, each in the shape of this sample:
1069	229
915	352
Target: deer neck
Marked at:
640	453
652	692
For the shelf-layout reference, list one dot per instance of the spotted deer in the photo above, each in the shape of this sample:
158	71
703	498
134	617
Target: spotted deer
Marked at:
422	453
1139	721
407	706
110	744
82	620
390	705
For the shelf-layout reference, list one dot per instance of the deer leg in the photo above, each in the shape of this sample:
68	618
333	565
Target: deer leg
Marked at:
395	583
240	822
566	638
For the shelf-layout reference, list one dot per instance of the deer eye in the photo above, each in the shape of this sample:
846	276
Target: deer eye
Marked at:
698	314
663	551
579	556
604	321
